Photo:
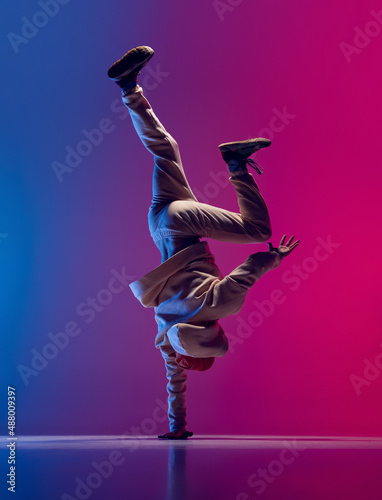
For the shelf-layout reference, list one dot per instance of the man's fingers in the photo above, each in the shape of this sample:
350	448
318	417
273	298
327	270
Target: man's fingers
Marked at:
288	247
295	244
290	241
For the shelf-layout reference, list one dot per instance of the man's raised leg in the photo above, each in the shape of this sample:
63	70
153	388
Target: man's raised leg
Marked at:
169	180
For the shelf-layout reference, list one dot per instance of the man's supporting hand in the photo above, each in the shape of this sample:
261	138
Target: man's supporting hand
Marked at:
284	250
176	435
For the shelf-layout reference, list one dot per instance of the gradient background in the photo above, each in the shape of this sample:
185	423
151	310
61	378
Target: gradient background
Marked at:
223	75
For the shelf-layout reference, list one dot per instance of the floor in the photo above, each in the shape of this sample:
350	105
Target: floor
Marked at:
203	467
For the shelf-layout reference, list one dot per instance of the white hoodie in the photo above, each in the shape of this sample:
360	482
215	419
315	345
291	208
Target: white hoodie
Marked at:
189	295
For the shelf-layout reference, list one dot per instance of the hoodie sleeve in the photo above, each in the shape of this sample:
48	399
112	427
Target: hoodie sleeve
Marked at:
227	296
255	266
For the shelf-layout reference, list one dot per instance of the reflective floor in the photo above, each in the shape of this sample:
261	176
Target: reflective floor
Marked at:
201	468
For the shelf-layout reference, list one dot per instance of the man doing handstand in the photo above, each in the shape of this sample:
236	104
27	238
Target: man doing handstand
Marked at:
187	291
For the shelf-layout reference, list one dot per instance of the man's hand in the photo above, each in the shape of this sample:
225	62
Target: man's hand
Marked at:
284	250
177	435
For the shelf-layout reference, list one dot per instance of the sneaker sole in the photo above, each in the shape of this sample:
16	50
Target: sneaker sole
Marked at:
124	66
249	144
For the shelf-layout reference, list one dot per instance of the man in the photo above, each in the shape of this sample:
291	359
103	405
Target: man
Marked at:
187	290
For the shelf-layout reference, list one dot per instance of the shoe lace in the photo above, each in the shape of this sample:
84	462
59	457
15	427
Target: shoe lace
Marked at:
254	165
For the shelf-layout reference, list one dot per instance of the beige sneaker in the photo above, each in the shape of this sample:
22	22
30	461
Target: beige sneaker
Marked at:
126	69
236	154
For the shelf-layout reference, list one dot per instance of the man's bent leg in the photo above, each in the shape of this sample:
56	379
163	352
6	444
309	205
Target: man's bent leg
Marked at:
251	225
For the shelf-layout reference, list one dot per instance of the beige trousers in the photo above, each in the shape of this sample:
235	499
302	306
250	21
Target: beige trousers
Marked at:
175	211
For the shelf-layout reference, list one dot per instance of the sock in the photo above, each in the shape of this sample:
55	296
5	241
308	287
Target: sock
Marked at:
236	166
235	162
127	85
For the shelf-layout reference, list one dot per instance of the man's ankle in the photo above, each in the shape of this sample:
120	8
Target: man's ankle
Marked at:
127	85
237	167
